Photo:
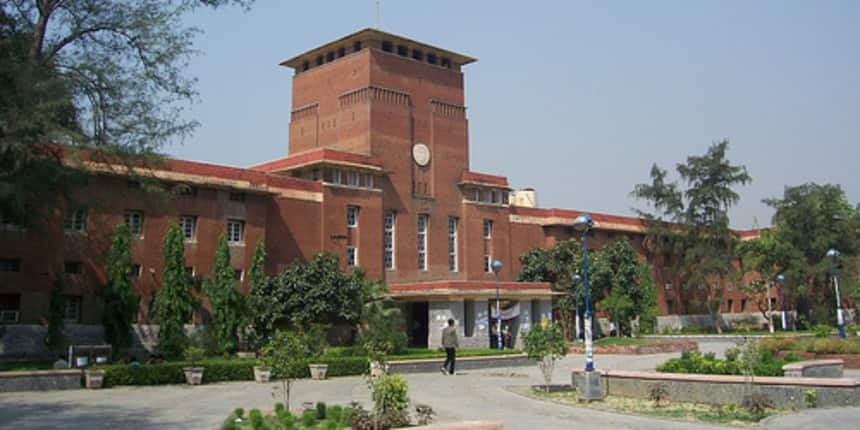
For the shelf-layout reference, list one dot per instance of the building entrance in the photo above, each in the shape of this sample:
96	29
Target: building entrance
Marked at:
419	324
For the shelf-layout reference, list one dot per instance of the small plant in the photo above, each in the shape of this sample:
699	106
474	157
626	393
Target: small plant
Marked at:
659	395
285	354
309	419
810	398
256	419
822	330
194	355
424	414
546	345
359	418
758	404
239	412
321	410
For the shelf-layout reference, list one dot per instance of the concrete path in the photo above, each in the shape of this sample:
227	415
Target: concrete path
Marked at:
470	395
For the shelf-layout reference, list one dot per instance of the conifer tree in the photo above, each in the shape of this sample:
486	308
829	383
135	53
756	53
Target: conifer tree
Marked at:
174	305
224	299
120	304
55	338
259	301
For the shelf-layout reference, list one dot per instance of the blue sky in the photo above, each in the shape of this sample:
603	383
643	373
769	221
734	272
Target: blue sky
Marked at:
576	99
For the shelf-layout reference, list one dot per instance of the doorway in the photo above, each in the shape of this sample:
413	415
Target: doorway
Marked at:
419	324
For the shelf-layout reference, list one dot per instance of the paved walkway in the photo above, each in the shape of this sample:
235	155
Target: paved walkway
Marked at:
467	396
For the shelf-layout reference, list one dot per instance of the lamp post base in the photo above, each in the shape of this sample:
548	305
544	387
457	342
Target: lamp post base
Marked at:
587	385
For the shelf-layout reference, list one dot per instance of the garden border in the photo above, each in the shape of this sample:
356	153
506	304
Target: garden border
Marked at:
650	348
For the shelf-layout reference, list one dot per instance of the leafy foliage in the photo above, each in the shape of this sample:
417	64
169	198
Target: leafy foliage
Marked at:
120	305
260	323
226	302
88	74
287	354
55	338
616	270
381	334
390	401
649	309
757	363
306	293
173	305
546	345
691	226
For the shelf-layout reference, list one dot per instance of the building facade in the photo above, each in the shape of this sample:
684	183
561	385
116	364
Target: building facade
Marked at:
377	172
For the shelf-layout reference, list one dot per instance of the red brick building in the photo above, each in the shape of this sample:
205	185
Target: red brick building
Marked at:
377	172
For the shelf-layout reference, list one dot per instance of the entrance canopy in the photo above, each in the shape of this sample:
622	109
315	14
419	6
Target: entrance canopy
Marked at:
447	290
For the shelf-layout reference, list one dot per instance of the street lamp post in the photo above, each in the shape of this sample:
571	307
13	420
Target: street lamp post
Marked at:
781	280
497	267
840	318
583	222
576	293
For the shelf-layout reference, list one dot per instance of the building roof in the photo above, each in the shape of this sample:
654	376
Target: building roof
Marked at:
483	179
320	156
478	289
372	34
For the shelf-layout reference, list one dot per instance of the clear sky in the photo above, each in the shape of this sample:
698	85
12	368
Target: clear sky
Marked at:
576	99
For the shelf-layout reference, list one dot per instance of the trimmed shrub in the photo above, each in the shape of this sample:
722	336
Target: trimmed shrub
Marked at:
695	362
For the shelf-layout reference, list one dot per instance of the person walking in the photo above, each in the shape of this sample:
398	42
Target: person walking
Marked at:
449	342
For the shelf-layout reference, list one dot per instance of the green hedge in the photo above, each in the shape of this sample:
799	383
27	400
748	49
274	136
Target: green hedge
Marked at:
217	371
708	364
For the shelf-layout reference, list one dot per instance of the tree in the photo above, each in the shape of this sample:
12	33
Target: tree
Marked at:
650	310
55	339
809	219
120	305
225	300
86	74
557	265
173	305
261	323
546	345
616	271
286	354
380	327
693	224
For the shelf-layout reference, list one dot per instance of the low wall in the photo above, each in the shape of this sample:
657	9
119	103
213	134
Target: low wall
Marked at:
720	389
652	348
849	361
40	380
465	363
813	369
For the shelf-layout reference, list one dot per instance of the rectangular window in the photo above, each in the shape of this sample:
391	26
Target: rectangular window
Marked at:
468	318
352	178
186	190
188	224
352	216
235	231
729	305
452	243
668	285
335	176
488	229
356	46
488	196
388	240
134	221
488	268
236	196
368	180
10	265
422	241
670	306
351	256
136	270
743	305
535	311
239	274
10	308
75	220
475	195
72	308
73	268
387	46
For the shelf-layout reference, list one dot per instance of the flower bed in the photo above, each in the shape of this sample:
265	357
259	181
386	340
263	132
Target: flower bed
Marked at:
847	350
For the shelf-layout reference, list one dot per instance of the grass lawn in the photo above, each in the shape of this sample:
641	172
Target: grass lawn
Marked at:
20	366
621	341
696	412
777	333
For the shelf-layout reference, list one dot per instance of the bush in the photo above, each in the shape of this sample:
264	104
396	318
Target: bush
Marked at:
822	330
321	411
695	362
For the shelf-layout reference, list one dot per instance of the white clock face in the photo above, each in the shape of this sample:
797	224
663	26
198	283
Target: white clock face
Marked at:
421	154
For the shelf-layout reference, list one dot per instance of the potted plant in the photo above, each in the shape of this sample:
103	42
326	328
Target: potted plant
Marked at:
315	340
94	378
194	373
262	371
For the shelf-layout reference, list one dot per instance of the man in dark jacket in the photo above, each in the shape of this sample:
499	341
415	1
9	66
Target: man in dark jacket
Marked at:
449	342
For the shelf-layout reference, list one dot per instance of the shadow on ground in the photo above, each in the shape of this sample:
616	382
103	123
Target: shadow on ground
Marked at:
39	416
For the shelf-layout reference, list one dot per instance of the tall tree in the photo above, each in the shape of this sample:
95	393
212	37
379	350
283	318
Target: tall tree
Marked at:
557	265
120	304
104	74
809	219
650	309
55	339
173	305
261	325
225	300
693	223
616	271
